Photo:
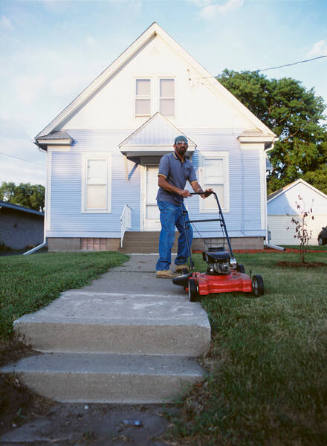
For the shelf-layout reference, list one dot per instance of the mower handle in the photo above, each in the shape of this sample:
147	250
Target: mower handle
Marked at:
203	193
222	220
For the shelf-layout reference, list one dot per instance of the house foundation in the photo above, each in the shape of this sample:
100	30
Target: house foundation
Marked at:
141	242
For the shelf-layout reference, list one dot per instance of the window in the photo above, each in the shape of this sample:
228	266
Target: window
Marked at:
96	184
214	175
167	97
143	97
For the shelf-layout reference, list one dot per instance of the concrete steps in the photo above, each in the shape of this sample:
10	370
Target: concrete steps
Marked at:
148	242
117	323
108	378
143	242
114	347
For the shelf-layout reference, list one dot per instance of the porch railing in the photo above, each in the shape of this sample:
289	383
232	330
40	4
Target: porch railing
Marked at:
125	222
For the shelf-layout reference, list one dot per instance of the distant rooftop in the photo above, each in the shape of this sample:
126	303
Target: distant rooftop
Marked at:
16	207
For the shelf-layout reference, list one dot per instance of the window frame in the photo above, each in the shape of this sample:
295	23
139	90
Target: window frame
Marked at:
150	97
215	155
85	159
162	78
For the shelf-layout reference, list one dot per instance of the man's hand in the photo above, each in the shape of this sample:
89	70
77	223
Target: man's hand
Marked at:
184	193
206	193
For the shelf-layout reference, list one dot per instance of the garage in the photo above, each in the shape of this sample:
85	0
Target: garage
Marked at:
282	207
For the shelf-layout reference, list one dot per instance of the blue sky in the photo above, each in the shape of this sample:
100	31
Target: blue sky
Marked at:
52	49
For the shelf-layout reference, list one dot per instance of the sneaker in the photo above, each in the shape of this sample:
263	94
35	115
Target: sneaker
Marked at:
182	269
165	274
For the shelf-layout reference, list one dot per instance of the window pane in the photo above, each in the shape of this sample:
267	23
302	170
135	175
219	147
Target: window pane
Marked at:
210	202
167	88
143	87
167	107
142	107
213	170
97	171
96	197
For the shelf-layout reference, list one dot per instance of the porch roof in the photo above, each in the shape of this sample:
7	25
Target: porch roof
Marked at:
153	138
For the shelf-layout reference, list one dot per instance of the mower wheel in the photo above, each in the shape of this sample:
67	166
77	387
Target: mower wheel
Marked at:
240	268
257	286
193	293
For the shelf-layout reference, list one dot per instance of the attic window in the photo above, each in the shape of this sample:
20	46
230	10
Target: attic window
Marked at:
167	97
143	97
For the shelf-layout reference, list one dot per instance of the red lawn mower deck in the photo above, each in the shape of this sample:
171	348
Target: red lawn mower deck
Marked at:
224	274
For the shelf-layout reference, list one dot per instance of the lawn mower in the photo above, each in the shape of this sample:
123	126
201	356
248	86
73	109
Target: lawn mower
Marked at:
224	274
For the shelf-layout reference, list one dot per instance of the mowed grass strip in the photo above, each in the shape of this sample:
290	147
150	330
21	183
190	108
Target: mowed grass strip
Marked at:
267	382
28	283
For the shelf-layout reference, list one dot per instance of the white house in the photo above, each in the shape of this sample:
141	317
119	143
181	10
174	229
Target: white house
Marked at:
282	207
103	150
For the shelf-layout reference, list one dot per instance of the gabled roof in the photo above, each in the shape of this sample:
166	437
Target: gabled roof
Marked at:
284	189
150	33
16	207
57	138
154	137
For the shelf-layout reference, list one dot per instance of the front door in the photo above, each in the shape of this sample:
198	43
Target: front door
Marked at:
151	215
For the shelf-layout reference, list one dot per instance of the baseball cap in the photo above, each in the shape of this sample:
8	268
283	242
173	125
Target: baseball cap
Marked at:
181	138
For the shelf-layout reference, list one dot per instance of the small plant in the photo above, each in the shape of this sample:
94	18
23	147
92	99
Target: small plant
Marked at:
302	232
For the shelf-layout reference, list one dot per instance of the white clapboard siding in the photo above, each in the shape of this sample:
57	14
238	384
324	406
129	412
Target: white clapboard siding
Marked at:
243	217
66	188
282	230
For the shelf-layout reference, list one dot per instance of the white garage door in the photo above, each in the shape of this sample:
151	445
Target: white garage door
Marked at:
280	235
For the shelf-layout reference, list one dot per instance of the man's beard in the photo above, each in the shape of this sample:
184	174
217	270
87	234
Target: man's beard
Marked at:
181	151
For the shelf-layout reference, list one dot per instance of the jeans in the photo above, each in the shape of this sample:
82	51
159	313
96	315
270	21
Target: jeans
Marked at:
172	215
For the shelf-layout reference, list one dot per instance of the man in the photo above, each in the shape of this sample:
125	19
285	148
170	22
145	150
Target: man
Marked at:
174	171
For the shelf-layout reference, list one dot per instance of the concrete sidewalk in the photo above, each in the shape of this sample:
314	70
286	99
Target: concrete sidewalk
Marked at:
128	337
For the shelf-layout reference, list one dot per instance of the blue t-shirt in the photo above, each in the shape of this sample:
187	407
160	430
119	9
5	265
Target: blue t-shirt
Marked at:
176	173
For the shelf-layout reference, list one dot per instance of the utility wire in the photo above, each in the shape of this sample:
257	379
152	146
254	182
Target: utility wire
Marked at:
274	68
16	158
290	64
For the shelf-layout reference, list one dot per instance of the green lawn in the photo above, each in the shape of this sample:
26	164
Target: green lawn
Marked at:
267	382
27	283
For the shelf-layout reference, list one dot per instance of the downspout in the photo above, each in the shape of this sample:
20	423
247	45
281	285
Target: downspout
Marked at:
266	242
31	251
44	243
269	245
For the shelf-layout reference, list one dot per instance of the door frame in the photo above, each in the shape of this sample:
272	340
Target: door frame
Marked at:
143	198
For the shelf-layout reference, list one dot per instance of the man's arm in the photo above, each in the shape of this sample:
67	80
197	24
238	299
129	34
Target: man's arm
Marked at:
197	188
162	182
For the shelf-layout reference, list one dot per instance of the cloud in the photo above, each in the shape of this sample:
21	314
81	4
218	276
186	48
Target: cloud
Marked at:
5	23
210	9
318	49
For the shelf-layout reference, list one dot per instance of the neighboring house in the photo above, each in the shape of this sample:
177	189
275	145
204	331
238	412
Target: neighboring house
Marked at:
282	207
103	150
20	227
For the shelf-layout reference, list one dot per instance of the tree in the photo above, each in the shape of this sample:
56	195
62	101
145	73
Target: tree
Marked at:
302	231
296	116
25	194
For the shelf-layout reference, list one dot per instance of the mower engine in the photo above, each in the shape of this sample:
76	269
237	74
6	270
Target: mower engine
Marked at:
218	261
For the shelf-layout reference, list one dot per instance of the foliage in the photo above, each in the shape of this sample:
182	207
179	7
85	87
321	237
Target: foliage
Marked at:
295	115
31	282
266	383
25	194
302	231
